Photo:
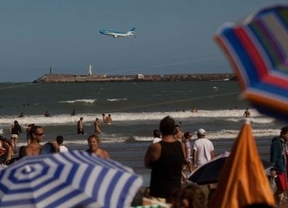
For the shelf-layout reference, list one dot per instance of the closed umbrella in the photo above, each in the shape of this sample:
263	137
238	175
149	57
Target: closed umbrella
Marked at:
242	181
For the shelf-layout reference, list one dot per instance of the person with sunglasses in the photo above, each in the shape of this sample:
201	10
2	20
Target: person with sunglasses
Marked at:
36	136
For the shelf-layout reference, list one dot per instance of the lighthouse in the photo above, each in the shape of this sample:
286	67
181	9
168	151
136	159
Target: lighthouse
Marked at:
89	70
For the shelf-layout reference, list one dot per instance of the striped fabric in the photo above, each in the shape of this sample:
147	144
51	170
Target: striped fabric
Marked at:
148	206
257	49
68	179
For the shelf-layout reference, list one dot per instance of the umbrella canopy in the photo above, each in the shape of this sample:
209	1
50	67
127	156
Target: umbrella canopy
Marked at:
242	180
257	49
210	172
68	179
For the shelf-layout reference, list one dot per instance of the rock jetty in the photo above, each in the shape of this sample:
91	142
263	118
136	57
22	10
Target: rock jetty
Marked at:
68	78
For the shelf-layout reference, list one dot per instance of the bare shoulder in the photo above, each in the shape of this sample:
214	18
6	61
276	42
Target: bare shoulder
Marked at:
154	147
152	154
154	150
103	153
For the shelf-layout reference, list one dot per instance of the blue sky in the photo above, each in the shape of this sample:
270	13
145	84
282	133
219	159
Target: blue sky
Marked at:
171	36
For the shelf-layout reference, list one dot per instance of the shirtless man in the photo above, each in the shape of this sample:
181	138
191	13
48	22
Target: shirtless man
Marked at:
80	129
94	143
97	129
109	119
104	118
179	134
36	136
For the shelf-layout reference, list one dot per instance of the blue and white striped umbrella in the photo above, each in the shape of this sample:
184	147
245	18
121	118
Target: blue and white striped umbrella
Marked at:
68	179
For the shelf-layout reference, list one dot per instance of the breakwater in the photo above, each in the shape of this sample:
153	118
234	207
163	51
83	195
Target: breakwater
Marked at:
68	78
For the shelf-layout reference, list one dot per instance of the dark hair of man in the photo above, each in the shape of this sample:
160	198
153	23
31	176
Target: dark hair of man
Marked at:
272	169
33	130
156	133
284	130
60	139
167	126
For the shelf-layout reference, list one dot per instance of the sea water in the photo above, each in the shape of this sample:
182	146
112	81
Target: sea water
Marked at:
136	109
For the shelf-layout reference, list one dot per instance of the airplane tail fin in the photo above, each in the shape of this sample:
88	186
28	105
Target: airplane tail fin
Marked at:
130	32
133	29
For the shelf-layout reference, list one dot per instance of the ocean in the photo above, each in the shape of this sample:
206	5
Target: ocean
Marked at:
136	109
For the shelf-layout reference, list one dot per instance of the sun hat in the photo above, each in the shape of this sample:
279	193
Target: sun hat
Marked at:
201	131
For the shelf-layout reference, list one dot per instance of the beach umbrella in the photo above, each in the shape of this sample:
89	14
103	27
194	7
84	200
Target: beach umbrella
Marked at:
68	179
210	172
257	49
242	180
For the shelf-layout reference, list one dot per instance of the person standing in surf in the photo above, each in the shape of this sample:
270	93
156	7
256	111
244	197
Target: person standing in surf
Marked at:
246	113
73	113
104	118
109	119
80	129
14	132
97	124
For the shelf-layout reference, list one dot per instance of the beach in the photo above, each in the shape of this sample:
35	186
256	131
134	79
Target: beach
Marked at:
136	110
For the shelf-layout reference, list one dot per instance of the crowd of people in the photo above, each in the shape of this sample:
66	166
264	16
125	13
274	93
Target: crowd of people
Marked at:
171	155
172	150
10	152
36	146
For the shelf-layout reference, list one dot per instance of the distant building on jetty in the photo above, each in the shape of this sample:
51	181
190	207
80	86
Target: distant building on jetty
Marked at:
68	78
90	77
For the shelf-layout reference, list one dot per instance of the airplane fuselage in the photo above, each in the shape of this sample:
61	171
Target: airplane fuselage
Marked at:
116	34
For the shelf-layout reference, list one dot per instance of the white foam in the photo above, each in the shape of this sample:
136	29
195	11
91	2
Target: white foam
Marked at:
116	99
79	101
67	119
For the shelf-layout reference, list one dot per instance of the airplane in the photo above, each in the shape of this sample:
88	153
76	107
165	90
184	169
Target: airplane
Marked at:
116	34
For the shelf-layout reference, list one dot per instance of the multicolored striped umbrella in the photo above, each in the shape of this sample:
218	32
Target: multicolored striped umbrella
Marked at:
257	49
68	179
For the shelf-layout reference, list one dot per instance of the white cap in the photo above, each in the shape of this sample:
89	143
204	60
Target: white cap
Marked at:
201	131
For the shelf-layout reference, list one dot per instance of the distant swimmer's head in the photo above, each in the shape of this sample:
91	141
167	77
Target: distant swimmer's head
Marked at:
201	132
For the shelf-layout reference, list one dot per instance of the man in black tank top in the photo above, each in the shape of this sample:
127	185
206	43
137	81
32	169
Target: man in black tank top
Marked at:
166	159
